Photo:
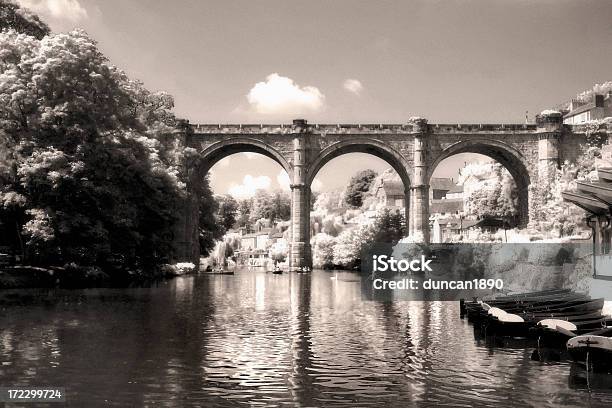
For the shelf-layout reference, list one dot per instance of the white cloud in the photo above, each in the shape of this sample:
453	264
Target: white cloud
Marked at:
249	186
316	185
250	155
62	9
354	86
280	94
283	180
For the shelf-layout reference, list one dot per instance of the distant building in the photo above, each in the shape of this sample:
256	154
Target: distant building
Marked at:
390	194
443	229
446	206
455	193
445	197
439	187
255	246
598	107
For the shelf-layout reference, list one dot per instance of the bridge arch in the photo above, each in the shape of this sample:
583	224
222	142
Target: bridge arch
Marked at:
508	156
188	228
219	150
369	146
362	145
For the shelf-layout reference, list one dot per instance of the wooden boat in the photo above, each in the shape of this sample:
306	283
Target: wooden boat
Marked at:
534	294
541	303
552	309
593	350
534	299
584	314
219	271
277	272
555	333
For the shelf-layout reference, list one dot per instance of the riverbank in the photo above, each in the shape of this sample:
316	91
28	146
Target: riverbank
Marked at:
25	276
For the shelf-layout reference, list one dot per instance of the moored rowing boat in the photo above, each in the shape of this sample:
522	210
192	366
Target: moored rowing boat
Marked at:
593	350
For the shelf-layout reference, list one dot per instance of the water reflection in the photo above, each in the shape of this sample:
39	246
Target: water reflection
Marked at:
270	340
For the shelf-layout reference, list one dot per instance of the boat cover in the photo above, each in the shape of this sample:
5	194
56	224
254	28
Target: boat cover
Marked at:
555	323
599	342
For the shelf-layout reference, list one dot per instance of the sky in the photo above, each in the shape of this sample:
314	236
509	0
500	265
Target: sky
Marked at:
342	61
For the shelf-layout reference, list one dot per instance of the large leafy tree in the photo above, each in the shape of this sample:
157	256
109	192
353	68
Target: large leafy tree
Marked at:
358	187
89	174
270	206
495	194
390	227
210	222
21	20
323	250
243	213
228	210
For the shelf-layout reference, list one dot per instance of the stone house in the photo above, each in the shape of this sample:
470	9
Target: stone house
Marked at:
390	194
439	187
598	107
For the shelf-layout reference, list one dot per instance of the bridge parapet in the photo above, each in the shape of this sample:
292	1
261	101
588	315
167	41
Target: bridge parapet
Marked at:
483	128
351	128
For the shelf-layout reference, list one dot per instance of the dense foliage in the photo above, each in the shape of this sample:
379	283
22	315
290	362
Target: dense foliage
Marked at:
211	223
90	175
358	187
346	250
227	211
494	194
21	20
549	213
270	206
264	205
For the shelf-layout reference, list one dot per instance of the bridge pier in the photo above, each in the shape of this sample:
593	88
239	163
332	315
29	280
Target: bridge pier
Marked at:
420	189
549	129
186	234
420	212
300	255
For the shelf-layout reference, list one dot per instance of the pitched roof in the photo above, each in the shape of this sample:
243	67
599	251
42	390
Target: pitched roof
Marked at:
393	188
442	183
456	189
448	205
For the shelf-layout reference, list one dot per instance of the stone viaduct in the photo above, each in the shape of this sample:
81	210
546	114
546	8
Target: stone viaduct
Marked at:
413	149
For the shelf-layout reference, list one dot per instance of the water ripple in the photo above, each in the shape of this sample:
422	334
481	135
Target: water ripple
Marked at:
258	339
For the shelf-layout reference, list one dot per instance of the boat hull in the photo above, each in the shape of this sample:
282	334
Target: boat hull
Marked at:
593	352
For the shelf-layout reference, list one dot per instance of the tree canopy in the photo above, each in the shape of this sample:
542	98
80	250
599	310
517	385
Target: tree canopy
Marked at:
90	172
228	210
21	20
271	206
358	187
493	194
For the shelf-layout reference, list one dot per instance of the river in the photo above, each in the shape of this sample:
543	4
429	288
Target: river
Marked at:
257	339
